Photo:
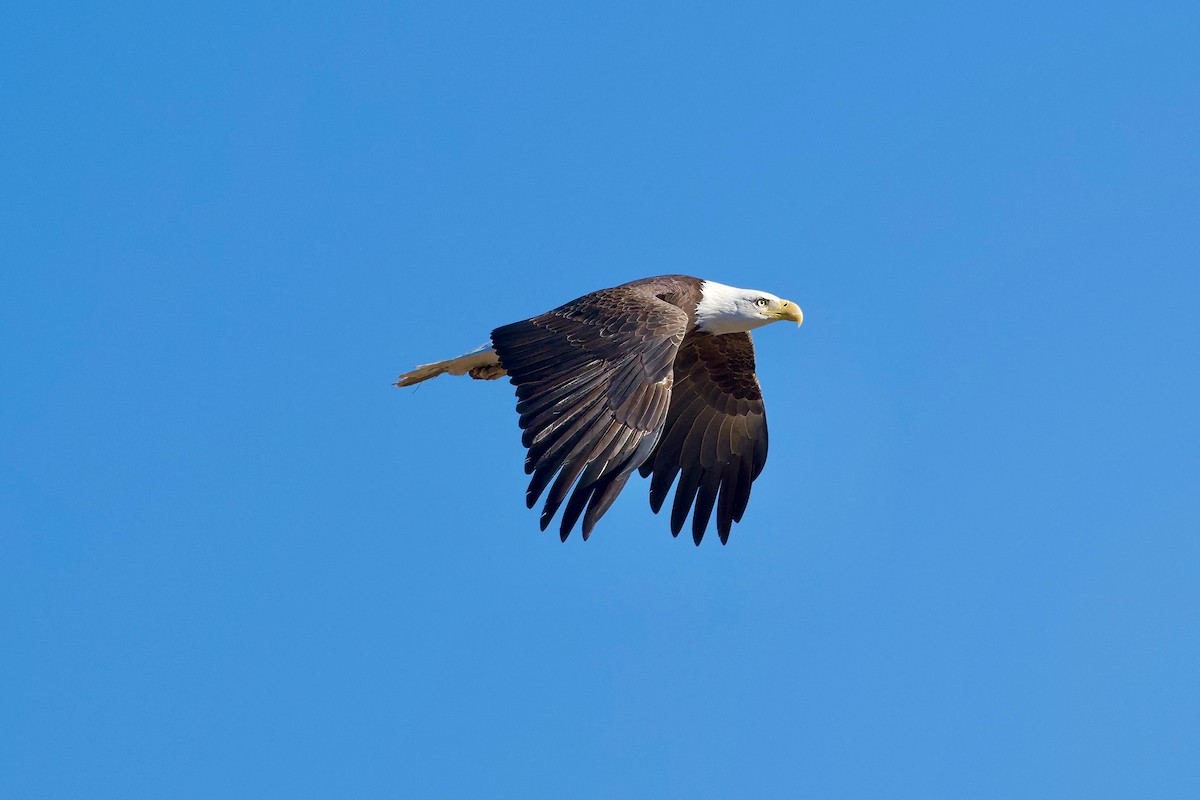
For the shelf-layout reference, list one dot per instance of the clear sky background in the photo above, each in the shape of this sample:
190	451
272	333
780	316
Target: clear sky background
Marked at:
237	563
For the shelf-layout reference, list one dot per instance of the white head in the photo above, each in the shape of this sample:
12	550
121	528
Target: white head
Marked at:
724	309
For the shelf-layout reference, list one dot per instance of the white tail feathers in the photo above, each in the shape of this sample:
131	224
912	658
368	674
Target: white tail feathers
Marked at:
482	363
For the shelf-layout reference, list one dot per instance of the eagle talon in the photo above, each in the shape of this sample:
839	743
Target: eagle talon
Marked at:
487	372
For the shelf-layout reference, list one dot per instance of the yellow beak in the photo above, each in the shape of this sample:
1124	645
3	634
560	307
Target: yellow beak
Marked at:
789	310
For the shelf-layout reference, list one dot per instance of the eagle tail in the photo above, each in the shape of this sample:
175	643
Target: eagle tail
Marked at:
482	363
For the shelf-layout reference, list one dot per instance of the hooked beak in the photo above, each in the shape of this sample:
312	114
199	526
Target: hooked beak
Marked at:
789	310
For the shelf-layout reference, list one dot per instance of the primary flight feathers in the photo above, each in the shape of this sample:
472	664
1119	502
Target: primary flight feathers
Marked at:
655	375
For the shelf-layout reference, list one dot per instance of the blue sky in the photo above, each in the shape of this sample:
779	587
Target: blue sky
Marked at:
238	563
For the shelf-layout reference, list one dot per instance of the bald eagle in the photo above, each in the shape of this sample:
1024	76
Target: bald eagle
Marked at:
655	375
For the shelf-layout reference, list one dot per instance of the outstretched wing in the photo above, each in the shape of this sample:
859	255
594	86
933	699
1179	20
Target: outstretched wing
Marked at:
593	382
715	434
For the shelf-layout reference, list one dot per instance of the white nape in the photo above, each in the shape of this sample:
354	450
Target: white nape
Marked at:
727	309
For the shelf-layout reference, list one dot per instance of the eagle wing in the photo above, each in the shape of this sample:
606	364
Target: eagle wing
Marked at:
715	434
593	382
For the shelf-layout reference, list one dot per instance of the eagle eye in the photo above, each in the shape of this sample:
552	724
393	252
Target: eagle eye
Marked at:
761	302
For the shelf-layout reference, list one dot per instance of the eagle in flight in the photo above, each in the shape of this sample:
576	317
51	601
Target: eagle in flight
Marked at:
655	375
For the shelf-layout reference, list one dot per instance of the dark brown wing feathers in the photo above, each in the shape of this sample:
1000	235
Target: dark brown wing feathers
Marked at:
593	382
715	435
614	382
